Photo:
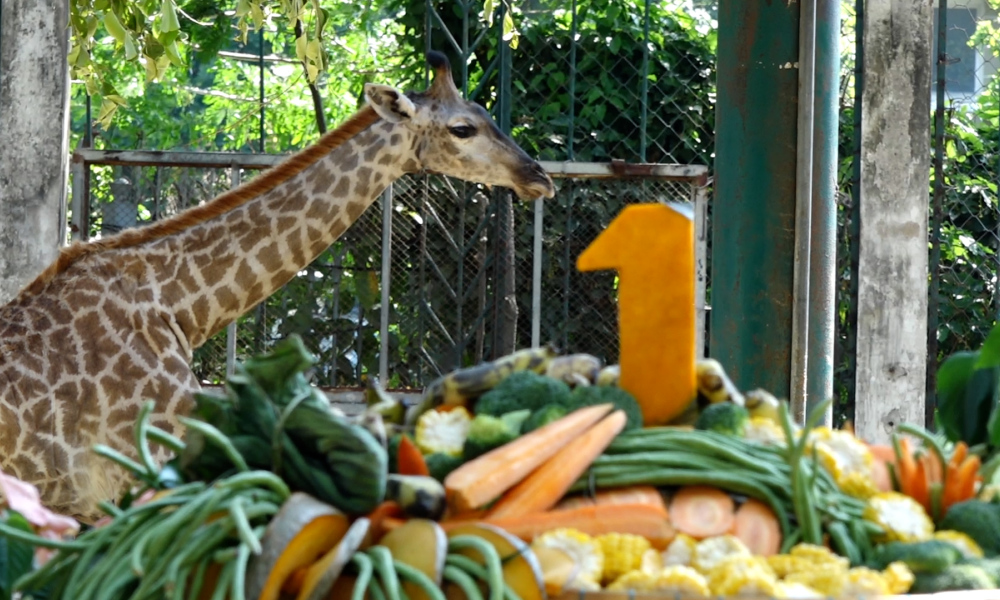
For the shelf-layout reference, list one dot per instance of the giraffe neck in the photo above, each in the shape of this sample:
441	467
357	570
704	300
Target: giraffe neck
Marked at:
215	271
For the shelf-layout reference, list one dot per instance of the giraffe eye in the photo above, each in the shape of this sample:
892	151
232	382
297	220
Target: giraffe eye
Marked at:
462	131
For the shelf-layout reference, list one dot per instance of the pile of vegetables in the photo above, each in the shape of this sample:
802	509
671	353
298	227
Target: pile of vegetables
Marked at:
519	479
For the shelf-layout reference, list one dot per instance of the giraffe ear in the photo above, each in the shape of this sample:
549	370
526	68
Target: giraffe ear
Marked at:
389	103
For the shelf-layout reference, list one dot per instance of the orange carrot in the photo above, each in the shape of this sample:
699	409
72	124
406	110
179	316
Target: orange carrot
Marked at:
967	475
638	519
482	480
906	467
756	525
951	483
702	511
410	461
542	489
636	494
919	490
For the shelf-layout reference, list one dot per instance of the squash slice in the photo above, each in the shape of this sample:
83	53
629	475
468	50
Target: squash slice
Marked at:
421	544
521	570
322	575
301	532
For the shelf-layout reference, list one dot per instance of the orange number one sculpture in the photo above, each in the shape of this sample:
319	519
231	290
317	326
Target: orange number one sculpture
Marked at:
652	248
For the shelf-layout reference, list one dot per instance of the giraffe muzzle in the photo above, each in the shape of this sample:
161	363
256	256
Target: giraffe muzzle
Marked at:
535	183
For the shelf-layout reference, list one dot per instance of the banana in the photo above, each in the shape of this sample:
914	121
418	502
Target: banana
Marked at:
609	375
761	403
574	368
714	384
379	402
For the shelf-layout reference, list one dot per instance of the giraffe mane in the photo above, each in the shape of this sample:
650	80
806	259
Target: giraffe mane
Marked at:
221	204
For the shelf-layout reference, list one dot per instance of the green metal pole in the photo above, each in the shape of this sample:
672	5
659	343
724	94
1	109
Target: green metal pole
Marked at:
753	229
823	259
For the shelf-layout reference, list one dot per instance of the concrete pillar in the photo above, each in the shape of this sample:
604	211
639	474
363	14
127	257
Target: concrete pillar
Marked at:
34	137
895	174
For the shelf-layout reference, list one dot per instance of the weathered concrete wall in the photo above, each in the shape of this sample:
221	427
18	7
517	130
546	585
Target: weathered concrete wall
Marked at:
34	100
895	169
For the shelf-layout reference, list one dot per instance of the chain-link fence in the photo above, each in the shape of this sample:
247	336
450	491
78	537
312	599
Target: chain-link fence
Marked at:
965	218
424	287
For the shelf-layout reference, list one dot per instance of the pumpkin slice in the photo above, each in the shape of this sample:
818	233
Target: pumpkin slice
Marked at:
558	568
521	570
421	544
322	575
343	588
302	531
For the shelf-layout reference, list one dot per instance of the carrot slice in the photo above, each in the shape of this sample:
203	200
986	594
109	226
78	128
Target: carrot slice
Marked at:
702	511
636	494
756	525
482	480
542	489
409	459
639	519
386	510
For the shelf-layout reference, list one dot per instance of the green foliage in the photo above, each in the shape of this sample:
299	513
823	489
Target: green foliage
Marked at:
16	556
967	389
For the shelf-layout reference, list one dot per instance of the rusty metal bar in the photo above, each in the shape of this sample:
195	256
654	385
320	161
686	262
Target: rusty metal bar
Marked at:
234	182
754	193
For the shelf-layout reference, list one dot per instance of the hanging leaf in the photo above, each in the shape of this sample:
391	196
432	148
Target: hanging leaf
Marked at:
168	16
989	354
966	397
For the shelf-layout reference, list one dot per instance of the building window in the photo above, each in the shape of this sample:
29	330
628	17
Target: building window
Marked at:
960	70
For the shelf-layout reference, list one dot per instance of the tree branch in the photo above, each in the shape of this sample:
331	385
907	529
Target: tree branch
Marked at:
313	90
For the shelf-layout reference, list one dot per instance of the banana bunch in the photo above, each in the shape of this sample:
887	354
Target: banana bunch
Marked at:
462	385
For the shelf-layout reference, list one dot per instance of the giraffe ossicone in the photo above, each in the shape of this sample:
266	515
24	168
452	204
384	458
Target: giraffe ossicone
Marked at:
113	322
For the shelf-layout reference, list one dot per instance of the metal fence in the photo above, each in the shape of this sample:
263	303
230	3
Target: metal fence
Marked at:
421	283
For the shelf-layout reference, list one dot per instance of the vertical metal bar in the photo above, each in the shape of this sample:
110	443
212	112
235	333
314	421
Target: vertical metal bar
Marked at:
383	354
854	227
934	286
536	275
570	187
753	204
644	83
234	181
261	63
700	193
823	238
78	232
803	209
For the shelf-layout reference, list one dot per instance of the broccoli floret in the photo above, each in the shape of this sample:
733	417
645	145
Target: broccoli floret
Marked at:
990	565
440	464
515	420
600	394
954	578
977	519
522	390
487	432
927	556
724	417
543	416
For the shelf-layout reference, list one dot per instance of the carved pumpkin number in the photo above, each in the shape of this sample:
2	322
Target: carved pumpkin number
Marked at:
652	248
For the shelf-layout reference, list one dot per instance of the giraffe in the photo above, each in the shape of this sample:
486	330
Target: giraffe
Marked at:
113	322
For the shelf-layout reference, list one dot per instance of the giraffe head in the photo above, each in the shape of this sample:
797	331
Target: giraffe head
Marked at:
458	138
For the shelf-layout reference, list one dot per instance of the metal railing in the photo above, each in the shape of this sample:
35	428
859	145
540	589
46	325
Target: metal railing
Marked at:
424	259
